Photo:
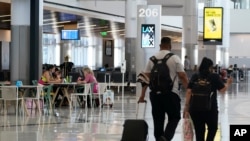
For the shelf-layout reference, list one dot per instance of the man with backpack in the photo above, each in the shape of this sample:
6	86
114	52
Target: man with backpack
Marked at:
164	70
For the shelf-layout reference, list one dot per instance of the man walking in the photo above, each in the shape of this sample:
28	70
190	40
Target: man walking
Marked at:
166	101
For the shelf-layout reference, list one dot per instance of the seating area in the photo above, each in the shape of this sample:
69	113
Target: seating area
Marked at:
115	78
10	93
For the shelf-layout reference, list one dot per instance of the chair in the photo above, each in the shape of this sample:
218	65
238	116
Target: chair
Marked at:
10	93
85	94
103	77
1	98
47	97
102	87
34	82
116	77
36	98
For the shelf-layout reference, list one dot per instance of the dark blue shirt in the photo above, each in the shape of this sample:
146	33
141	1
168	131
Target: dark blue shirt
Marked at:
217	84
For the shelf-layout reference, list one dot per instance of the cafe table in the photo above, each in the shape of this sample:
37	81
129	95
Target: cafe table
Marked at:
65	90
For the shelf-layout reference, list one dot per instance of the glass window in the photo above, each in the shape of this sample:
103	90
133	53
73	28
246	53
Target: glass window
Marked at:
49	49
83	54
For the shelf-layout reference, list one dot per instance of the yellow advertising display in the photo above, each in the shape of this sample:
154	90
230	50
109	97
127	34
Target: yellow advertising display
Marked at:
213	23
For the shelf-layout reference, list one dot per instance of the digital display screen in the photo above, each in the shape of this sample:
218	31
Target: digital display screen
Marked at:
147	35
70	35
212	25
68	17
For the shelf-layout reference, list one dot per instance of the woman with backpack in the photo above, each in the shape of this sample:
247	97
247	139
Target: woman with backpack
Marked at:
201	100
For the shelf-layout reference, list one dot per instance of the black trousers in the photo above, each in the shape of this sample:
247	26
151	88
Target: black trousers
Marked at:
161	104
200	119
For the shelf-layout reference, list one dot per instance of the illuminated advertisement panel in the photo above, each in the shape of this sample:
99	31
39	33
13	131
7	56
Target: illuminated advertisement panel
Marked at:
147	35
212	26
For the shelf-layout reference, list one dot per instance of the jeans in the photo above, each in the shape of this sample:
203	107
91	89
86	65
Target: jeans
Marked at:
161	104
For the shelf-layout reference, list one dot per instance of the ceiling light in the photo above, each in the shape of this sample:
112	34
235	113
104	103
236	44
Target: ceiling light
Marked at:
46	20
81	24
57	22
6	20
99	27
87	26
116	30
55	26
1	16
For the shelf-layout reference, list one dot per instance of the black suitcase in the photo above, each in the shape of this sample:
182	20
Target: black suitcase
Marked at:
135	129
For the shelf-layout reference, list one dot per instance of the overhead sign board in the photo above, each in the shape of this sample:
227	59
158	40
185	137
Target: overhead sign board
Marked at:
213	26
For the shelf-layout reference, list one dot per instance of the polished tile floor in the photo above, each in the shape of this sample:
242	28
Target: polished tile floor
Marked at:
107	124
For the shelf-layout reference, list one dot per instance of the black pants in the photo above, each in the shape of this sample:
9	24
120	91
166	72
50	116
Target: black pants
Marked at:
161	104
200	119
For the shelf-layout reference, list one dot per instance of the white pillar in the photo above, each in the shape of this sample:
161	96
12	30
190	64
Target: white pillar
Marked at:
190	31
26	33
19	51
146	14
226	29
130	34
18	8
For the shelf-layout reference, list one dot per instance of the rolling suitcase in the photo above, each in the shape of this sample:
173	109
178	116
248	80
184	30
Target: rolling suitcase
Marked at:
135	129
108	96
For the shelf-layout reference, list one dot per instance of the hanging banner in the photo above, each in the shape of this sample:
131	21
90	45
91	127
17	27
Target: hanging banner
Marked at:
147	35
212	25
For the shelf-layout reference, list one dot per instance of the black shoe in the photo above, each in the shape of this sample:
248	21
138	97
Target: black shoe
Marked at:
162	138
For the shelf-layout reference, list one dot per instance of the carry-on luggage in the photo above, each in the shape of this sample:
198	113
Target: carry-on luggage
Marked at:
108	96
135	129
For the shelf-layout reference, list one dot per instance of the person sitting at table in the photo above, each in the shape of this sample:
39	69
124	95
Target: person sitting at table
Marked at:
57	75
47	76
89	78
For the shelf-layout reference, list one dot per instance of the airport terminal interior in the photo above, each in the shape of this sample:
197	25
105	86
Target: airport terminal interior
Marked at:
100	34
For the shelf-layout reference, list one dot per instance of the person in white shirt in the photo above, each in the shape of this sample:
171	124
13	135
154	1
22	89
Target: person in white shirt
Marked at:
166	102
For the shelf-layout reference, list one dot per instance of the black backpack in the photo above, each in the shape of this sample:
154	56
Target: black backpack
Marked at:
160	80
201	97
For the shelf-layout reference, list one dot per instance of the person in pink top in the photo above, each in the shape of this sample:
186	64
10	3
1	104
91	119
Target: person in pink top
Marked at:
89	77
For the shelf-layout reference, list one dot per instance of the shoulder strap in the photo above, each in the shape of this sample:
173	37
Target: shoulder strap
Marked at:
153	59
167	56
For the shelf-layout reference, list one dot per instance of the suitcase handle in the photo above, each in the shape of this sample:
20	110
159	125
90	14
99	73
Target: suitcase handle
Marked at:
145	101
137	110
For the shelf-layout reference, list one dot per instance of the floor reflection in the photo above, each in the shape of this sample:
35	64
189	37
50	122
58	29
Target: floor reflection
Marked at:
107	124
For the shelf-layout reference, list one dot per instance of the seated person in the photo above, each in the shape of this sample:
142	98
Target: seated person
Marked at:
47	76
89	78
57	75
